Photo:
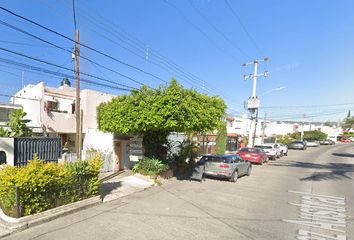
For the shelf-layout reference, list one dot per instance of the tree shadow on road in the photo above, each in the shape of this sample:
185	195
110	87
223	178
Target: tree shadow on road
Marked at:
343	155
108	187
322	171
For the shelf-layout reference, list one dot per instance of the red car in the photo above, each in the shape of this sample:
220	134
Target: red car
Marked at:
253	155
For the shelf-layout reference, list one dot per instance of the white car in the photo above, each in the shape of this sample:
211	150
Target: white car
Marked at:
283	149
272	151
313	144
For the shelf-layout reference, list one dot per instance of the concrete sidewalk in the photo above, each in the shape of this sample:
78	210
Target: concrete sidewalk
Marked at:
111	189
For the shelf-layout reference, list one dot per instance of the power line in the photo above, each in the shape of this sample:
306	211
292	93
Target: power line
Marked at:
82	44
64	49
217	29
244	27
44	70
199	29
119	33
62	67
7	95
310	106
25	44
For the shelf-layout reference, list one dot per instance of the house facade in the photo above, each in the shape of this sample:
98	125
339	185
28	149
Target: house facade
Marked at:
52	112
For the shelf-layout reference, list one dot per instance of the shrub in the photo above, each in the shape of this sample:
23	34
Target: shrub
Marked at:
44	186
150	167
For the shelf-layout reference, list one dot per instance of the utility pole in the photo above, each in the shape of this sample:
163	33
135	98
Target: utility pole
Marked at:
302	127
253	101
77	100
264	127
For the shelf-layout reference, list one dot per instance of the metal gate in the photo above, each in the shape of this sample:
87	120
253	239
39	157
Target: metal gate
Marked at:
47	149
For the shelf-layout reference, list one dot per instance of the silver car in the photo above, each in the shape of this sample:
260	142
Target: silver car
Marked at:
225	166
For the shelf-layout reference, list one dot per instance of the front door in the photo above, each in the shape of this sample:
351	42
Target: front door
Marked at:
118	156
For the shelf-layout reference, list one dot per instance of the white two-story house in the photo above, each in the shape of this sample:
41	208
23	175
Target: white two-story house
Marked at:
52	113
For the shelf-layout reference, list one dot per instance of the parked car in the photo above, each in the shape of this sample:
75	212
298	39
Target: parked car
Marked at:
225	166
270	150
284	149
300	145
345	140
327	142
253	155
311	143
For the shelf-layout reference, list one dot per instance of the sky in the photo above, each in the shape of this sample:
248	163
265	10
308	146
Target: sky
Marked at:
201	43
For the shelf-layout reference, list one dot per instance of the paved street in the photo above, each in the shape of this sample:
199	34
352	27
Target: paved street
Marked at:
271	204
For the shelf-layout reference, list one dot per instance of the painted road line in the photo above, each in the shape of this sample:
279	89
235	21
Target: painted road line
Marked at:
325	215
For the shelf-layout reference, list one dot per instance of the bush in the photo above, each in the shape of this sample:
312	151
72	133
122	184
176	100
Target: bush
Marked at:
43	186
150	167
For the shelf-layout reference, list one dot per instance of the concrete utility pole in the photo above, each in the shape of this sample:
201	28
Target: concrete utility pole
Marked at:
253	101
264	127
302	127
77	101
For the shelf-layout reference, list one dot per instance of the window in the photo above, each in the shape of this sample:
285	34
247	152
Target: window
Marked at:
229	123
2	157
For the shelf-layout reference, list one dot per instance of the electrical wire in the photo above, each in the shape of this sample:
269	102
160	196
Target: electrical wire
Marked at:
122	35
64	49
227	39
44	70
82	44
181	13
61	67
244	28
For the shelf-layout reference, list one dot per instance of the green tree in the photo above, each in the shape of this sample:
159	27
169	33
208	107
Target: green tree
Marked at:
221	139
3	132
314	135
328	124
155	113
348	122
17	124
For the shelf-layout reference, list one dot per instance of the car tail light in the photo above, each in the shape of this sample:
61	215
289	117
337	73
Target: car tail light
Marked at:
224	166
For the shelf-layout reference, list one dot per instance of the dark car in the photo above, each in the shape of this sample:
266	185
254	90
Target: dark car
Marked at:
253	155
300	145
225	166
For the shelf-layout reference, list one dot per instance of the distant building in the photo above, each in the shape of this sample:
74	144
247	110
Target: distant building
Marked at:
238	127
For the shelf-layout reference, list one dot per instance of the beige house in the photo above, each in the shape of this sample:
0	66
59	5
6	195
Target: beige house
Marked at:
52	112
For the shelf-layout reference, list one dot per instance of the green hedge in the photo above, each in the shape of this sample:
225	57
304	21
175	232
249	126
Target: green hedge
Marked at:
42	186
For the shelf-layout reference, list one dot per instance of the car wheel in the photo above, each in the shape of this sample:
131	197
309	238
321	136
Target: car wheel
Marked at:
249	170
234	177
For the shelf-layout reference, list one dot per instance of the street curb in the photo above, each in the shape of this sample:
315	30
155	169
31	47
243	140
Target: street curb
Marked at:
19	224
13	225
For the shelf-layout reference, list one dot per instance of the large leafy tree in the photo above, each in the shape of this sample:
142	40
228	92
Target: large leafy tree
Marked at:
155	113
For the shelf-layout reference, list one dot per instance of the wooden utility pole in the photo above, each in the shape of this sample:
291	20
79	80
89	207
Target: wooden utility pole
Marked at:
77	101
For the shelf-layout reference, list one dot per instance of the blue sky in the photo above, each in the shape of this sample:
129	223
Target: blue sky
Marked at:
309	43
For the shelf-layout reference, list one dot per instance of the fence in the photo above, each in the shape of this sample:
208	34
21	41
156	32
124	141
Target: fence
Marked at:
47	149
107	158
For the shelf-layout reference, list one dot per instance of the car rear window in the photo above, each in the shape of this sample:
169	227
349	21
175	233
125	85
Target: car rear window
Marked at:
248	150
264	147
217	159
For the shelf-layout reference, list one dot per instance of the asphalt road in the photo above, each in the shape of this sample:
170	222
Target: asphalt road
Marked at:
306	195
